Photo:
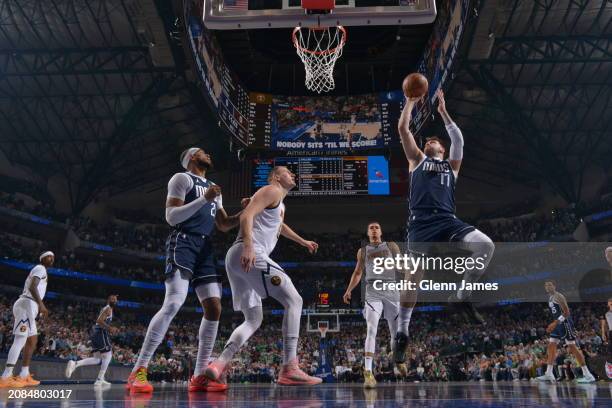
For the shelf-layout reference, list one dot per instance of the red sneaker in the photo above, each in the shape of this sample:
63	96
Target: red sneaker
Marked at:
201	383
138	383
291	374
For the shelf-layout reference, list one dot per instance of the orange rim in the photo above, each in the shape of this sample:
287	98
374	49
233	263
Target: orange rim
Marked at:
325	52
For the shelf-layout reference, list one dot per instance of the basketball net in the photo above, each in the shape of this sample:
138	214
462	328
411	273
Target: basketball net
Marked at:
319	49
323	331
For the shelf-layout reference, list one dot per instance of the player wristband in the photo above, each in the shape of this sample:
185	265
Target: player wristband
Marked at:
561	319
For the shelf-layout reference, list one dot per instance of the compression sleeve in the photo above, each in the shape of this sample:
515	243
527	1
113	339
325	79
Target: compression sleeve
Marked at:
456	137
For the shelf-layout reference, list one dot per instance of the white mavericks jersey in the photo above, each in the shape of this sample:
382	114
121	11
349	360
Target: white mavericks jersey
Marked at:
266	228
40	272
609	320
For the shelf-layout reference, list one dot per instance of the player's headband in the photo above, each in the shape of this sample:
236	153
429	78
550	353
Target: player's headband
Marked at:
188	156
45	254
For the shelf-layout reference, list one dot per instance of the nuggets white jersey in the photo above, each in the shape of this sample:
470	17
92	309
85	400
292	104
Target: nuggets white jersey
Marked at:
373	251
609	320
40	272
266	228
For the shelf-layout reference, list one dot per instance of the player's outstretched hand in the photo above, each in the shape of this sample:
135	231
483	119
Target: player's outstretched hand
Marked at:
247	259
441	101
212	192
311	246
551	327
42	309
346	298
244	202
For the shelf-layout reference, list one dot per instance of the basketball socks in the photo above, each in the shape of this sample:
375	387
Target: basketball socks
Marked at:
585	371
368	363
88	361
176	293
405	315
549	369
206	342
8	371
105	361
289	349
13	354
25	371
252	320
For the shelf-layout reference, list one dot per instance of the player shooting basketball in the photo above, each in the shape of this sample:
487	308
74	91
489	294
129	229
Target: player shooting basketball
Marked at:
432	204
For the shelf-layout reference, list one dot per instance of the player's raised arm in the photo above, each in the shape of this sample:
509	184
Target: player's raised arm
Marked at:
411	150
267	196
288	233
176	209
455	156
355	278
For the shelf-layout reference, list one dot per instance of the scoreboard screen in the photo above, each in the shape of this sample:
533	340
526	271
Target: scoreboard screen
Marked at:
347	175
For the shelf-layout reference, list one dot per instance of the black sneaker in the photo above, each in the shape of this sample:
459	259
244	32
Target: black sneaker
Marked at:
399	348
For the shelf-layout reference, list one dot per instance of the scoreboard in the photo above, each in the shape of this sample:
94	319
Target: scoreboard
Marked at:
347	175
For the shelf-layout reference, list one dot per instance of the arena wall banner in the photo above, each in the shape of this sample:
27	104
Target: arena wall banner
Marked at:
440	53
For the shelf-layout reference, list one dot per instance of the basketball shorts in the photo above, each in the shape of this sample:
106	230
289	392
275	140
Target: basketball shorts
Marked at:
379	306
25	311
193	256
264	279
423	229
565	331
100	340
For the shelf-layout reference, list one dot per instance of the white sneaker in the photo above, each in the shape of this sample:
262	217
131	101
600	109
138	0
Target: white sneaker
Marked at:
546	377
101	383
586	379
70	367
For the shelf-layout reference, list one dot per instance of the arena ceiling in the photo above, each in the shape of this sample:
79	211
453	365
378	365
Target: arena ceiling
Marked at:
533	91
97	91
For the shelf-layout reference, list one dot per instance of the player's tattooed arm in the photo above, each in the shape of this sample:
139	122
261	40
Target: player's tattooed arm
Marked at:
604	332
563	303
42	309
355	278
288	233
411	150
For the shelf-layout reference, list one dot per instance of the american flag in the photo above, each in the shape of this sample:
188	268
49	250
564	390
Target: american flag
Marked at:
235	5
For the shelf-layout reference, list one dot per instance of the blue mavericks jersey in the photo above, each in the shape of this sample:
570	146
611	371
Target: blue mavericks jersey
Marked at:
203	221
432	187
109	318
555	308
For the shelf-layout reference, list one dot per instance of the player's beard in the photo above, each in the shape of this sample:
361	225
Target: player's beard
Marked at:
203	165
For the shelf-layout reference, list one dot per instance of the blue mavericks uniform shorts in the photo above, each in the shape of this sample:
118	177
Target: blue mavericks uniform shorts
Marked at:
100	340
435	228
564	331
193	255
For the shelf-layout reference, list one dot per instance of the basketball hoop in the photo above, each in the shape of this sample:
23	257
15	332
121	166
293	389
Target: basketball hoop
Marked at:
319	48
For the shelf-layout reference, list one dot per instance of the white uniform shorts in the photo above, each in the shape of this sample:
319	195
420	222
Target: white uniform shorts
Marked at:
376	307
265	279
24	313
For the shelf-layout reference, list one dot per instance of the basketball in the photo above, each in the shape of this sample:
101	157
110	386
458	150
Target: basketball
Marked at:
415	85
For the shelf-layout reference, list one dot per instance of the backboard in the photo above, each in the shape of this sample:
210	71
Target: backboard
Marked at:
253	14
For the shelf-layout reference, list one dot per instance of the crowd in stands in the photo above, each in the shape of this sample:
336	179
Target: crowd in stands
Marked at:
151	238
443	348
